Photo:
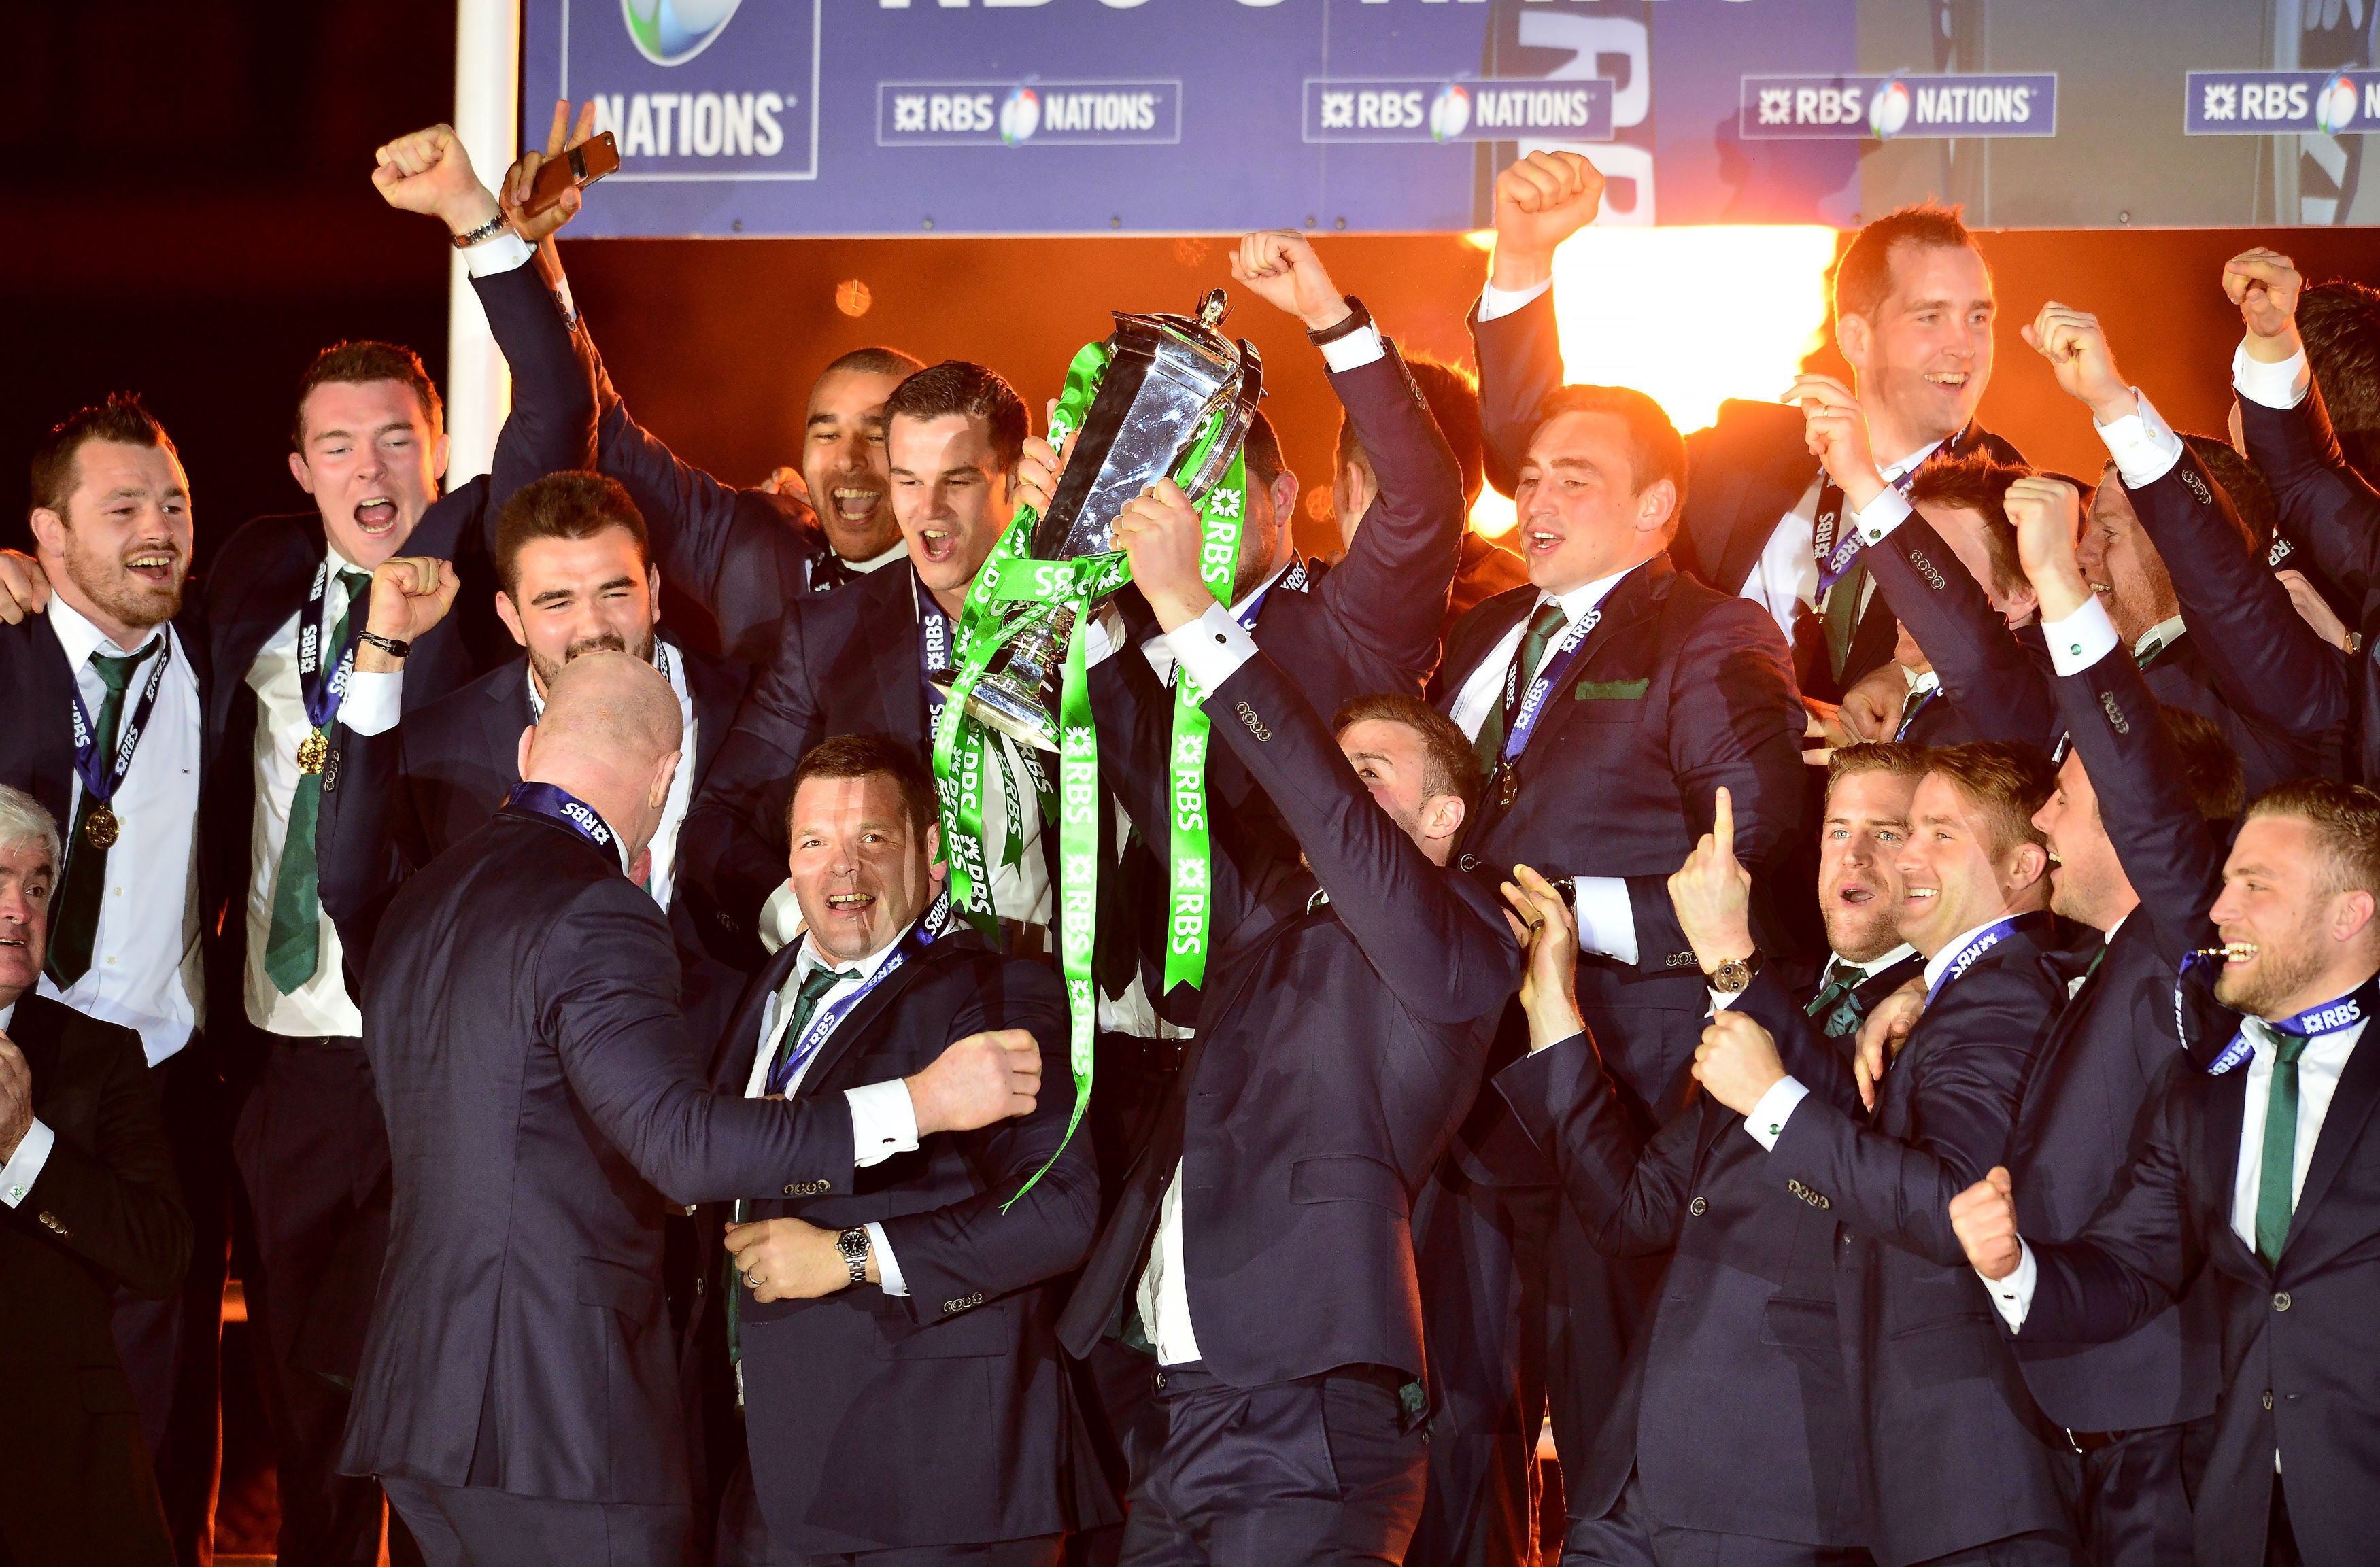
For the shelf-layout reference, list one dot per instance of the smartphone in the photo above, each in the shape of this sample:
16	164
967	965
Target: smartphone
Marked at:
580	167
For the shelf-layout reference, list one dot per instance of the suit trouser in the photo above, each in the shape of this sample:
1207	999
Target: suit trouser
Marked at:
1321	1469
2135	1509
1630	1536
744	1542
480	1527
172	1348
313	1154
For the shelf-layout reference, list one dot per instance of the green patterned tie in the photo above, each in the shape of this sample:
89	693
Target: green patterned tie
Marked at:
2277	1184
74	923
1842	617
293	949
1837	1003
1544	626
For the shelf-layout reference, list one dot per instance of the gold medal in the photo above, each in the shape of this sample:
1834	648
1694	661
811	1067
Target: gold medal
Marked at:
312	752
1507	786
100	827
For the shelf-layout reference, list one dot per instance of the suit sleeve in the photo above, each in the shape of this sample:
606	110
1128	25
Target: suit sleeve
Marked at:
607	980
1809	1057
2326	508
734	840
119	1203
2265	659
1967	1084
1734	721
1628	1193
369	837
990	1243
551	425
2168	852
1520	361
1389	596
2137	1257
1985	672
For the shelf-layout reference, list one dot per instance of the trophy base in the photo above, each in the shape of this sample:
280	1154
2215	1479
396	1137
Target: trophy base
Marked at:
1006	705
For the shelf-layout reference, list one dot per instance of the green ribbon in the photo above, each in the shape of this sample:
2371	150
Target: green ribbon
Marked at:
1221	513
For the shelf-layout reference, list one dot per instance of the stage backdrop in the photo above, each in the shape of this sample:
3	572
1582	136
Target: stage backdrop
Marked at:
1158	116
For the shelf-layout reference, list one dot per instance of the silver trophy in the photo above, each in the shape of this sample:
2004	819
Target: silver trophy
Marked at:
1166	374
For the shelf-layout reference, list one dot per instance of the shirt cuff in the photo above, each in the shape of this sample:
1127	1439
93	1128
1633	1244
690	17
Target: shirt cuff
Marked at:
374	701
2081	639
883	1122
1606	921
2013	1295
2275	386
1353	351
888	1269
24	1166
2144	446
1211	648
1884	514
1722	999
1766	1122
506	252
1495	301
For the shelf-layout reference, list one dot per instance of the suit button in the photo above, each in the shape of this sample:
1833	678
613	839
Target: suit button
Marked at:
2268	1398
1698	1208
2281	1300
697	1283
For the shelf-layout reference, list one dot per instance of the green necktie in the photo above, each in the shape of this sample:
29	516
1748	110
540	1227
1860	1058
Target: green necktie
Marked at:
1837	1002
1842	617
74	925
293	949
1544	626
2276	1187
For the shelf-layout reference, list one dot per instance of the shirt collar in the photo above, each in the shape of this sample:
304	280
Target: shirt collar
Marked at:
7	1015
1874	966
671	663
1578	600
861	968
1257	592
1937	965
1892	471
900	548
80	638
2160	634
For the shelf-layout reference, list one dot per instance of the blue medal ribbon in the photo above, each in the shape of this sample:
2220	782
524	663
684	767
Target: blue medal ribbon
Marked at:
2330	1017
1983	940
560	804
928	929
101	783
323	695
1533	706
1836	555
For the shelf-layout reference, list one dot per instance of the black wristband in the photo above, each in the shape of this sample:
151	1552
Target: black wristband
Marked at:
388	645
1357	319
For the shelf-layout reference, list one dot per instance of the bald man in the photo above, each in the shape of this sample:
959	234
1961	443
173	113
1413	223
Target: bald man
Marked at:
519	1396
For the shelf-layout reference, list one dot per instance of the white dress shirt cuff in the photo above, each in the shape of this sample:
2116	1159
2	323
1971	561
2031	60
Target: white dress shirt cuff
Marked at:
888	1267
2276	386
1211	646
1606	921
506	252
24	1166
1884	514
2013	1295
2081	639
883	1122
1722	999
374	701
1766	1122
2144	446
1356	350
1495	301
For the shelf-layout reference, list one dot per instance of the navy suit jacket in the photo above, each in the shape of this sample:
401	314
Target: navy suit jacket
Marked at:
545	1108
1338	1046
1732	1408
1932	1384
943	1416
105	1211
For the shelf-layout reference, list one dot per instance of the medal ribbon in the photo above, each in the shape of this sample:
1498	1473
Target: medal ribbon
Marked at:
1557	669
100	782
2314	1022
560	804
1990	936
323	696
1835	556
928	929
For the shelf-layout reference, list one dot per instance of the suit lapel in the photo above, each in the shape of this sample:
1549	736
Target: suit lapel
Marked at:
2342	1126
731	1067
1631	602
38	1028
1485	628
505	715
275	581
2226	1099
892	663
715	693
1762	505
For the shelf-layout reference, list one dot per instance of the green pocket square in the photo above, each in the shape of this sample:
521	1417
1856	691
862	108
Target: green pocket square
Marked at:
1609	690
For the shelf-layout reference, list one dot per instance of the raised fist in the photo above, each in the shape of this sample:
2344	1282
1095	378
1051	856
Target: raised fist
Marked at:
1540	202
983	1078
1284	270
1984	1218
428	171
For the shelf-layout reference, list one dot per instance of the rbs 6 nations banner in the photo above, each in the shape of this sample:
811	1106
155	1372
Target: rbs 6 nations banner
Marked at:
1096	116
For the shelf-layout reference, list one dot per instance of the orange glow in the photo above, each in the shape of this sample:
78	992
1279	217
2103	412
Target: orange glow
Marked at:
1691	316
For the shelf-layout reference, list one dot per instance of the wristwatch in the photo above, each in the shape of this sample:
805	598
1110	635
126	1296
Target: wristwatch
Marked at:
852	1245
1729	977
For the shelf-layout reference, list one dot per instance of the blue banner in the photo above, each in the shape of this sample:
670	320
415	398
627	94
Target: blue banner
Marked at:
1216	116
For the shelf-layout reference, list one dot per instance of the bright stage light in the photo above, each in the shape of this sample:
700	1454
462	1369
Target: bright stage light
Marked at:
1689	316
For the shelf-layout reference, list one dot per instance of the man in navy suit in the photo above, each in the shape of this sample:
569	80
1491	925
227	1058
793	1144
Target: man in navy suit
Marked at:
518	1395
903	1395
1732	1429
1913	313
1933	1387
1343	1021
2261	1174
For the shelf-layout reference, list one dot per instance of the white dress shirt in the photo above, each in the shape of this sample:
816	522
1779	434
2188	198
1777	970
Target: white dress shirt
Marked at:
145	969
1606	922
884	1120
2281	386
321	1005
24	1166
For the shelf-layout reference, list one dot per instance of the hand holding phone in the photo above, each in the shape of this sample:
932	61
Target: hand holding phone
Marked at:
540	193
